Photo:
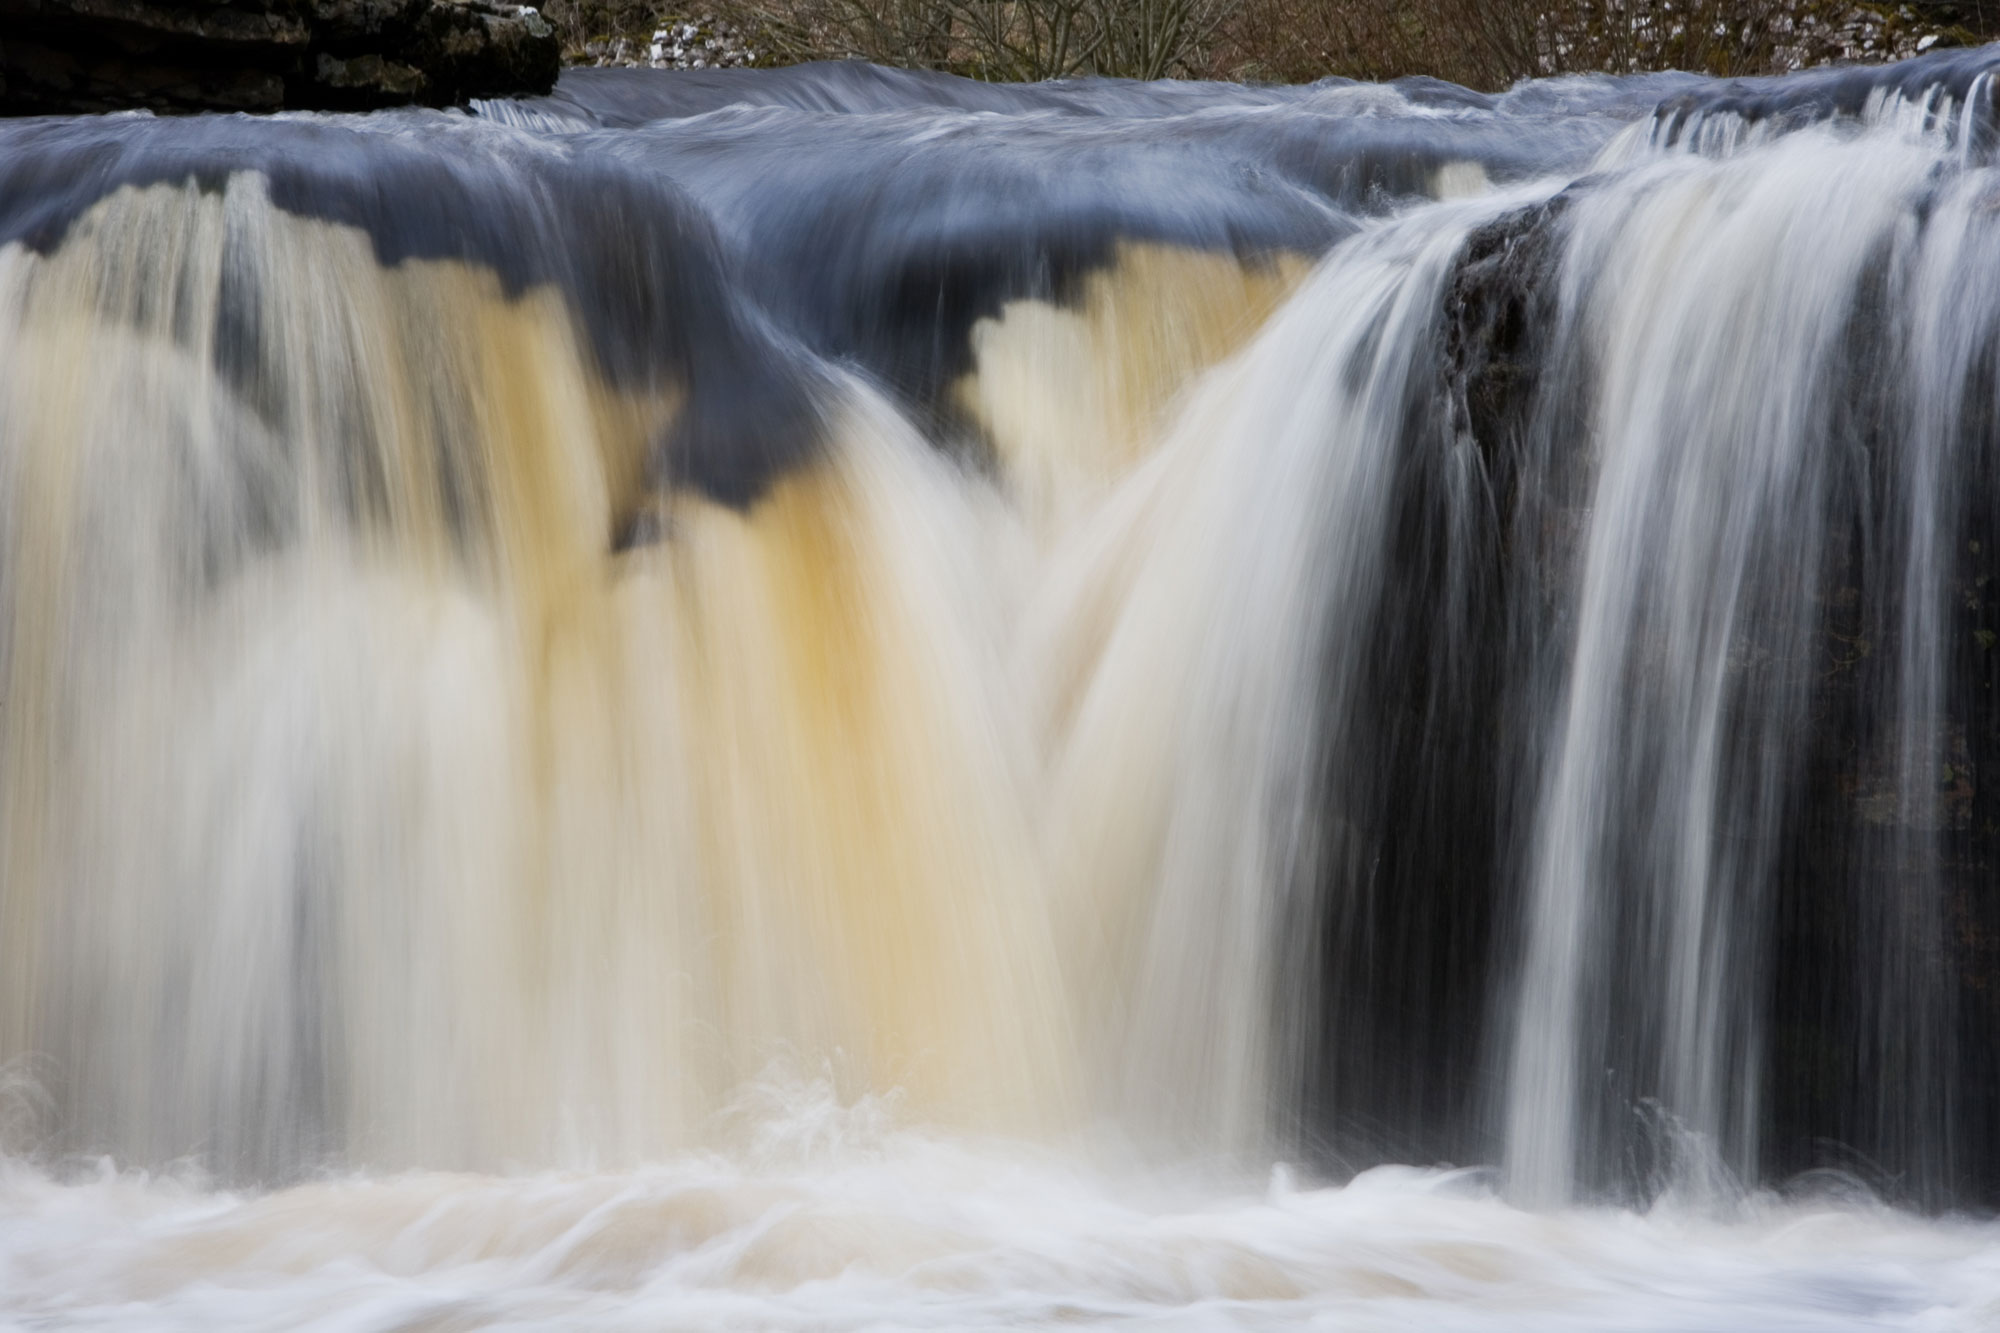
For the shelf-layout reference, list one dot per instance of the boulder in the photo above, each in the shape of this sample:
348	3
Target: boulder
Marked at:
61	56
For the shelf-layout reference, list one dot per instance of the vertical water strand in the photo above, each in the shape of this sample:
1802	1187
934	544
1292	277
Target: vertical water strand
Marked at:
1717	295
1942	426
1184	760
1908	994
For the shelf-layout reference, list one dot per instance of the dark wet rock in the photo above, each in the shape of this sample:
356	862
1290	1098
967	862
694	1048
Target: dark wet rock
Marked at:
60	56
1499	306
1866	990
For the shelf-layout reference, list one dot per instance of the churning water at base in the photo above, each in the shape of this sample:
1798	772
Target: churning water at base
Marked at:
1146	631
827	1217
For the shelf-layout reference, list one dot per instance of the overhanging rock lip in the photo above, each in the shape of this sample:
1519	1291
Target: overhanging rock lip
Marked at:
88	56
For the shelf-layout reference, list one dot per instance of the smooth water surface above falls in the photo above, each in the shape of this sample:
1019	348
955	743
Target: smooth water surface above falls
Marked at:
837	697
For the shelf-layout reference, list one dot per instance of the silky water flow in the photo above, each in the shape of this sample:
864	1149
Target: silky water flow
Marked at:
838	698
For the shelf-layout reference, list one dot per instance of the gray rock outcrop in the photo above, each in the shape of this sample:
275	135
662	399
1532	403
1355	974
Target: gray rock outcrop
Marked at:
59	56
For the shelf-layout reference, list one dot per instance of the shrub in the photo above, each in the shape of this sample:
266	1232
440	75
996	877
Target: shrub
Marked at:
1481	43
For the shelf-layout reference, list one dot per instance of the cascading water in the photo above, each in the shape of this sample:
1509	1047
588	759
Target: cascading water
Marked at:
860	697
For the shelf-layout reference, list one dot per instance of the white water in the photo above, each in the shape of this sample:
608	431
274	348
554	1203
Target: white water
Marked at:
364	806
1716	298
825	1217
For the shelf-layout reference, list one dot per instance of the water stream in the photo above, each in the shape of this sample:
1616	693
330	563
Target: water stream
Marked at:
843	698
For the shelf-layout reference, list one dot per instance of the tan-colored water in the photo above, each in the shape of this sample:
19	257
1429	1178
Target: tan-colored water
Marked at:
366	804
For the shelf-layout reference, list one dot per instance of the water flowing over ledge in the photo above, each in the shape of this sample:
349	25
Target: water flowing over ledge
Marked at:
1146	630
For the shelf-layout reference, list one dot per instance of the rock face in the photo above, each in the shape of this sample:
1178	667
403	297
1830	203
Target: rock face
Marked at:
59	56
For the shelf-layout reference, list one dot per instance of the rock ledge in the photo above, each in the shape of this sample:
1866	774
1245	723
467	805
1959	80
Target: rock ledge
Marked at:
62	56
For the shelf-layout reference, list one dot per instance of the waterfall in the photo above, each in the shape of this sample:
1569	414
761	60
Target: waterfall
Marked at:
1719	303
1349	625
